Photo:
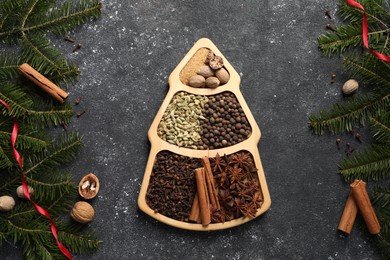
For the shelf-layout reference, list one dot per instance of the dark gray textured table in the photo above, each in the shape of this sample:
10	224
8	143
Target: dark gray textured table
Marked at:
125	61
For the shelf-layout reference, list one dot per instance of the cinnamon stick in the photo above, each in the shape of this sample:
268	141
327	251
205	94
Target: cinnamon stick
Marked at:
203	198
348	216
210	184
44	83
194	215
363	201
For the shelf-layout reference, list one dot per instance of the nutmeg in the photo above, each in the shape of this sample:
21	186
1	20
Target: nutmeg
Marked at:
223	75
89	186
197	81
205	71
82	212
350	87
7	203
212	82
20	193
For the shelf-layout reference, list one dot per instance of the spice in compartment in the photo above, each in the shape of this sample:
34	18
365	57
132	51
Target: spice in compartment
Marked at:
204	69
235	190
224	123
180	124
204	122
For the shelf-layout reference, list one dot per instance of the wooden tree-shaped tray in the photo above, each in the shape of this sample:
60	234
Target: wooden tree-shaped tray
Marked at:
158	144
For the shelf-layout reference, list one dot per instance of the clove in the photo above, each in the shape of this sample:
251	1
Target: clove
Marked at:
333	77
358	137
77	101
80	114
338	140
78	46
64	126
327	13
68	38
329	27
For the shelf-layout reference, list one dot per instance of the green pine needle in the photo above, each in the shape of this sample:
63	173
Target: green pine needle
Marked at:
347	115
380	126
381	197
371	164
9	64
28	23
63	150
23	107
368	69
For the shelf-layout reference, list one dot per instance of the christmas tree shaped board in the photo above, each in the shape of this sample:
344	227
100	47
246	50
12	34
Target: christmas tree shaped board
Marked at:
204	170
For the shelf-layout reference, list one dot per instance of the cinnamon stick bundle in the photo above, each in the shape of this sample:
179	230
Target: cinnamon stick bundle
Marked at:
213	195
349	215
194	214
44	83
363	201
204	204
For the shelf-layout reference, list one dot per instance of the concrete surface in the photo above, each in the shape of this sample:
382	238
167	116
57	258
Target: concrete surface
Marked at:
125	61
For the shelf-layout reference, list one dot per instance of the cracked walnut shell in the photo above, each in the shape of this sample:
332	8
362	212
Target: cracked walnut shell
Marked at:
89	186
82	212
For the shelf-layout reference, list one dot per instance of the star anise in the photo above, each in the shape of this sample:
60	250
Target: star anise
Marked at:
236	207
225	199
257	200
219	216
243	160
219	163
222	178
235	174
248	210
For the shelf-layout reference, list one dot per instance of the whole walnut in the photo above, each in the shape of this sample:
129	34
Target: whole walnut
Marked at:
82	212
7	203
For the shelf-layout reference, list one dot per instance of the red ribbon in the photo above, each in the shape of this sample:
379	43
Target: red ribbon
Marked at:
25	187
365	31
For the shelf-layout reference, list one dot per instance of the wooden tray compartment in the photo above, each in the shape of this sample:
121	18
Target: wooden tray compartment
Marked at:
157	144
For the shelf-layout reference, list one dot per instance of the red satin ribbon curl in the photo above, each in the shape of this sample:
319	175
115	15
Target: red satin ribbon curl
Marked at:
365	31
38	208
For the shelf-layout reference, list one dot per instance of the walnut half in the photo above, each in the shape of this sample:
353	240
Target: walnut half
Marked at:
89	186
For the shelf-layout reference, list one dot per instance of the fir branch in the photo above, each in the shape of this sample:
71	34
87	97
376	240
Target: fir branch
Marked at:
349	36
54	205
375	11
373	163
79	242
345	116
22	107
5	161
9	181
380	127
24	142
59	20
63	151
28	22
70	15
9	64
381	197
340	41
368	69
36	51
50	186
